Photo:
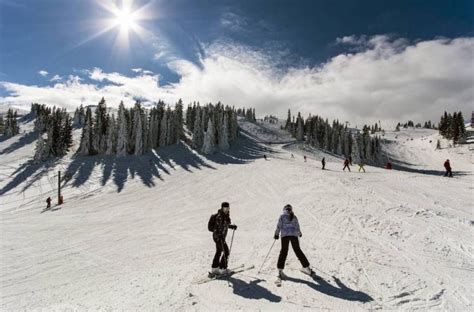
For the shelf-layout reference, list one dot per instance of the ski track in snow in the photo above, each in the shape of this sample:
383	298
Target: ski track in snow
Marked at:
384	240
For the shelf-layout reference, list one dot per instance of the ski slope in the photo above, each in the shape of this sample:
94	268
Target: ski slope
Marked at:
132	234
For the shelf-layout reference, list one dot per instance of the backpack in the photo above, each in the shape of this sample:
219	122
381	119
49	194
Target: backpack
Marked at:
211	225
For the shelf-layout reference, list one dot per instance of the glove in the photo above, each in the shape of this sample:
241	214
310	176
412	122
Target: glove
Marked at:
233	227
276	236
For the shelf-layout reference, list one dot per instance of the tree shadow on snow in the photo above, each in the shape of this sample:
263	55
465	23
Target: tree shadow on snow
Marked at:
252	290
157	163
25	139
145	167
29	172
242	151
341	291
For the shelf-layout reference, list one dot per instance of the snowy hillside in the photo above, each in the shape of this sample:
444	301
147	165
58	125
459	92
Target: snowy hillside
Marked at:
132	233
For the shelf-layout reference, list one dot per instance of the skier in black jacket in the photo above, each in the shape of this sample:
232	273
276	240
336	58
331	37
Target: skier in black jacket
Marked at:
219	264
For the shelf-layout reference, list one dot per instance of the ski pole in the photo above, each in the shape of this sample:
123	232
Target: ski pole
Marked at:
231	241
267	256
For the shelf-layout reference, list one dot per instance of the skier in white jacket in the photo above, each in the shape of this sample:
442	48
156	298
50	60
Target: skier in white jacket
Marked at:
289	228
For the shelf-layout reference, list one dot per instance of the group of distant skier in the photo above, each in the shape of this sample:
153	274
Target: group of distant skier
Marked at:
348	162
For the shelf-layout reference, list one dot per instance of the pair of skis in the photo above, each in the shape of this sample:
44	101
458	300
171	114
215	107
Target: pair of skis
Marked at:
235	270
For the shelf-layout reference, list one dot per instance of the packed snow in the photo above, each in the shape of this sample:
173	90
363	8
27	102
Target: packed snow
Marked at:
132	233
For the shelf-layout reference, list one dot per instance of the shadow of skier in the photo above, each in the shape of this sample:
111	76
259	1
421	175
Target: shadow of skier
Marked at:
341	291
252	290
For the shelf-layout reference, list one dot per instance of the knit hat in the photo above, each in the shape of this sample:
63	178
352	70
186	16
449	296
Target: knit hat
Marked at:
225	204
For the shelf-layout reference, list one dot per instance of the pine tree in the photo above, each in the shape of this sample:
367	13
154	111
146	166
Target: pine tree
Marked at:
86	147
40	149
461	127
100	127
198	133
208	146
138	132
122	132
2	126
288	121
111	141
178	123
164	129
299	129
224	140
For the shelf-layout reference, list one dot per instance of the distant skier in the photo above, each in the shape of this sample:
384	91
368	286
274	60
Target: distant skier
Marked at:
350	160
304	158
289	228
292	156
388	166
220	225
48	202
323	162
265	157
447	166
361	166
346	165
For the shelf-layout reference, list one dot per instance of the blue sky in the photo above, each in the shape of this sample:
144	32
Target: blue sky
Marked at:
49	42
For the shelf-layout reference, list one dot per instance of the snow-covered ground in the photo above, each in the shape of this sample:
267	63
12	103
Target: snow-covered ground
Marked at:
132	234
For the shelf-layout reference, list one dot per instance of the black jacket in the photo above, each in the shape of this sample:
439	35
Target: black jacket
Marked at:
222	224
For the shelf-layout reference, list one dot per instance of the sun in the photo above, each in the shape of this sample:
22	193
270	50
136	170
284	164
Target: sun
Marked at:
125	19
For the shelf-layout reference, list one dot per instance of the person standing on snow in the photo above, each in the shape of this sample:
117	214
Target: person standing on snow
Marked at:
350	160
447	166
361	166
346	165
222	223
48	202
304	158
323	162
289	228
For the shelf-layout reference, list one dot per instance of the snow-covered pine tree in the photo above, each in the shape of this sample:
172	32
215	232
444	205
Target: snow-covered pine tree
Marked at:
208	146
86	147
178	121
340	142
164	129
137	122
76	118
111	141
2	126
299	128
66	133
234	126
198	134
122	132
224	135
170	139
15	127
100	127
40	149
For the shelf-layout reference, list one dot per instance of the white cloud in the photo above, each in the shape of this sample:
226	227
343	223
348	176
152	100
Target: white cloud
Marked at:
43	73
387	79
56	78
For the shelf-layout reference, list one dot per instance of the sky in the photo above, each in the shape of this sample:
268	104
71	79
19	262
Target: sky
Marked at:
357	61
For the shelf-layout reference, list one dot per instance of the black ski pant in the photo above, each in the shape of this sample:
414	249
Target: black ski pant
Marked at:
221	255
346	166
285	242
448	173
324	165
